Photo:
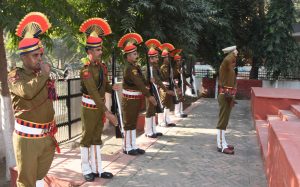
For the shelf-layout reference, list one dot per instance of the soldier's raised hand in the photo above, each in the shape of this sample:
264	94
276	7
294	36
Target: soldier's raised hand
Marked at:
112	118
45	68
152	80
116	87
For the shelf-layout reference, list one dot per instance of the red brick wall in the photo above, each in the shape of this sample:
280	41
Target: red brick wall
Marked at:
243	92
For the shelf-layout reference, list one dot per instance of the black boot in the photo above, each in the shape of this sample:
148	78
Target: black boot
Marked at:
159	134
183	115
106	175
131	152
140	151
151	136
89	177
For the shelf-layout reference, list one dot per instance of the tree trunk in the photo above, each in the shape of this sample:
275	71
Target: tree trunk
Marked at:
6	109
254	69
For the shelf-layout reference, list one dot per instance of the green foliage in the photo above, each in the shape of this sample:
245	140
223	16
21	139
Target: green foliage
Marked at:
200	27
240	23
282	53
64	23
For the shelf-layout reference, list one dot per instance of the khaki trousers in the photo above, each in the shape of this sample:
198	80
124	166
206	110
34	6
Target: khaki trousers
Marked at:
224	113
33	157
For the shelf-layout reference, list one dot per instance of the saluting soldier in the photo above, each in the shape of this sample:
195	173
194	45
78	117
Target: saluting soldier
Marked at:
94	84
150	122
226	97
32	93
180	81
166	99
134	90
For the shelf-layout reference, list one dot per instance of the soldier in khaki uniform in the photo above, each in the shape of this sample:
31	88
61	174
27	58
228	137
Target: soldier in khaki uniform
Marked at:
179	79
150	123
134	90
94	84
32	93
227	91
167	100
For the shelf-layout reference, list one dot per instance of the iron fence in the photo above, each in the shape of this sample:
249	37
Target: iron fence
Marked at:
67	109
262	75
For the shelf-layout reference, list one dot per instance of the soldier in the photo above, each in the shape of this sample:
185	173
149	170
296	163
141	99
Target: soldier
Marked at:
134	89
179	79
32	93
94	84
167	100
227	91
150	123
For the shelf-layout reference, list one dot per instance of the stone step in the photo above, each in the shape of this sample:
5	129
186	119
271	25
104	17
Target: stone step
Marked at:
283	163
287	115
296	110
262	127
273	118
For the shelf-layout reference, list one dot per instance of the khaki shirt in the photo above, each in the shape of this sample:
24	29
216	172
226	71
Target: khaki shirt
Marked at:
227	75
29	94
157	76
94	82
165	73
133	79
176	72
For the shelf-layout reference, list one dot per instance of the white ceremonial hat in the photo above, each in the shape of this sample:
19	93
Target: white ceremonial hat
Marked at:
229	49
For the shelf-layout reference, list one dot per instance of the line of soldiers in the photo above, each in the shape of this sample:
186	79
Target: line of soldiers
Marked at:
33	93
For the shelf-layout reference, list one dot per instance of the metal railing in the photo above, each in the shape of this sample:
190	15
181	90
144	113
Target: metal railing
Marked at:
67	109
262	75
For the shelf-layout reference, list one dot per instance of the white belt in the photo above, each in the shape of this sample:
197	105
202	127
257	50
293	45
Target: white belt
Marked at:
28	130
88	101
166	83
135	93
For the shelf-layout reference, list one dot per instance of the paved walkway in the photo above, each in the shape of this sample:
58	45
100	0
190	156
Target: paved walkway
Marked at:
186	155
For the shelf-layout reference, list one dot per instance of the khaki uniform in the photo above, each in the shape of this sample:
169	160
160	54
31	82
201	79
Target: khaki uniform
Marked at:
94	84
166	99
227	78
34	153
132	80
150	108
178	81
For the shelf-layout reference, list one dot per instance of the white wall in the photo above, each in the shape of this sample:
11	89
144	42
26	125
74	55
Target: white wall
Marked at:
2	148
291	84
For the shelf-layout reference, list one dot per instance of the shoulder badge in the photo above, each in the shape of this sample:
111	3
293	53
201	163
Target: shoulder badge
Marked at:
86	74
13	76
134	71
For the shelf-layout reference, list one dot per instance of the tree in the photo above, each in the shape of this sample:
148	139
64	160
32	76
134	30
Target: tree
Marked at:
177	22
282	53
239	23
6	109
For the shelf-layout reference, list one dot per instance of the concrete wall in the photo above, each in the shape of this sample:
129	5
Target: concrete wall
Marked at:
292	84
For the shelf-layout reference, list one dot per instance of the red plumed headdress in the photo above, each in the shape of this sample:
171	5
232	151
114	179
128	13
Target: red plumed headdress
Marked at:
152	45
29	28
95	28
166	48
176	54
129	41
